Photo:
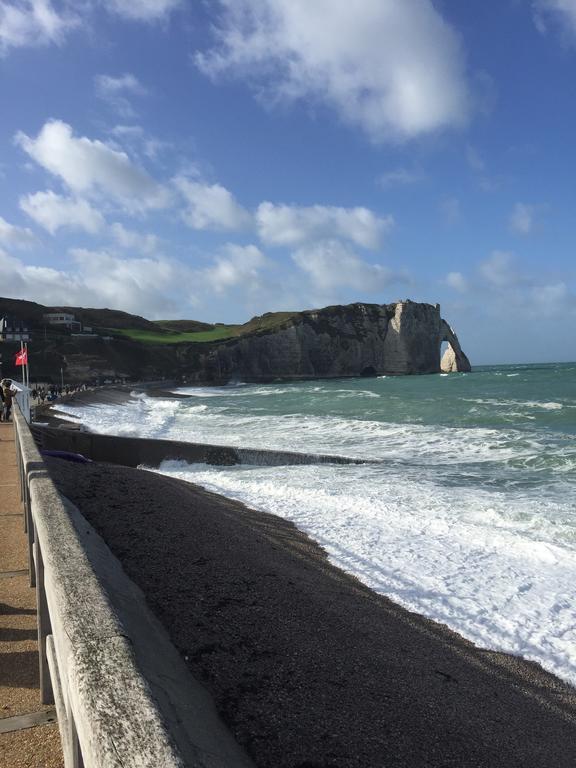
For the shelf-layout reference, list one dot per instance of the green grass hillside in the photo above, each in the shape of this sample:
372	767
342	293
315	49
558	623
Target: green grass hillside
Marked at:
175	337
136	328
167	331
183	326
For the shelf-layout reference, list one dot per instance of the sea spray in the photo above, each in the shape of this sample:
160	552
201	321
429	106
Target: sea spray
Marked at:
468	514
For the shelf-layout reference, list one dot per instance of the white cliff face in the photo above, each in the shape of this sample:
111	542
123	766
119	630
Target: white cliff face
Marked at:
412	342
453	360
448	363
353	340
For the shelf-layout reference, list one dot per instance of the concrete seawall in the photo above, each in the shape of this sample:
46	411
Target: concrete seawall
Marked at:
123	695
134	451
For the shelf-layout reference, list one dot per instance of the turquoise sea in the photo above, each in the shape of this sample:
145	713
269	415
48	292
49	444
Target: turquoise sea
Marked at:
467	513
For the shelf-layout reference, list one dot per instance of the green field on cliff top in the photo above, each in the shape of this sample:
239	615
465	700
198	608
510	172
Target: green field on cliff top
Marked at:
167	333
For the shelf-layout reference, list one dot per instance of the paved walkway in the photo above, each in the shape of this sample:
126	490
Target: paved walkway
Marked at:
33	746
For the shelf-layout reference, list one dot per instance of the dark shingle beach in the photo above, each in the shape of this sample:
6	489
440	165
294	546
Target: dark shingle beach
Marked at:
309	668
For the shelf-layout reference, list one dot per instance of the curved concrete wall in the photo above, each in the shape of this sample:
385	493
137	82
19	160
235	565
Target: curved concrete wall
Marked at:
124	696
135	451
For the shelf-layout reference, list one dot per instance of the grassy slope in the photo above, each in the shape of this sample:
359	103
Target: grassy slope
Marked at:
135	328
174	337
166	334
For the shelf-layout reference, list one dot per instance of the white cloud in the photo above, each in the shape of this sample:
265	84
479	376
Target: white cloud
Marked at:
134	241
237	265
394	68
562	12
211	206
53	211
457	281
115	91
399	177
331	265
139	142
154	287
498	270
93	168
32	22
142	10
293	225
552	294
501	288
522	219
15	237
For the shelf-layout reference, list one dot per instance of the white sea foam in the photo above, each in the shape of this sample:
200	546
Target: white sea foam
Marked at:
474	526
552	406
490	571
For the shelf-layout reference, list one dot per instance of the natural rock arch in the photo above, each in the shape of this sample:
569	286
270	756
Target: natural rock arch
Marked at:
453	360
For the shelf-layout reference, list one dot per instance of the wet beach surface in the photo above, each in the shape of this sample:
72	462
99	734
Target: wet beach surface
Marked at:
308	667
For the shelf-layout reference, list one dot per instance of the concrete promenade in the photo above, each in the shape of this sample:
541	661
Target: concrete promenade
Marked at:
29	735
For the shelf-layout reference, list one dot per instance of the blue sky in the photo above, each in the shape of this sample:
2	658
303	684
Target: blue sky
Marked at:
216	160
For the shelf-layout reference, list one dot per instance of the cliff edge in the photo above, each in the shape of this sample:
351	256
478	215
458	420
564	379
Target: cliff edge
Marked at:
353	340
405	337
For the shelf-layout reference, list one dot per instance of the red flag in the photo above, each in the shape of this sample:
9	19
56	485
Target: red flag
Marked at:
21	357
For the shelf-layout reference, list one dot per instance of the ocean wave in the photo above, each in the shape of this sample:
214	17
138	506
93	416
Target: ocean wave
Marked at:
488	567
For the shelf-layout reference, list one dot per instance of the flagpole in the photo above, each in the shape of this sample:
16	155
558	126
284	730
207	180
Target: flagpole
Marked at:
27	368
23	367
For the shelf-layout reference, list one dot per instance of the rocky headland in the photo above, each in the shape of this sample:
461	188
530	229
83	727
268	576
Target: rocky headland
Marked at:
353	340
400	338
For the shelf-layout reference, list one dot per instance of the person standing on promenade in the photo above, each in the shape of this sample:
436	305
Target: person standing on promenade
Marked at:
8	392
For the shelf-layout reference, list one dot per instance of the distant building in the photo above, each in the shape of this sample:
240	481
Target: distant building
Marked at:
13	329
63	319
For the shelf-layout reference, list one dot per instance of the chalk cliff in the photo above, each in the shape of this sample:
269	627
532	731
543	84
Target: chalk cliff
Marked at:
353	340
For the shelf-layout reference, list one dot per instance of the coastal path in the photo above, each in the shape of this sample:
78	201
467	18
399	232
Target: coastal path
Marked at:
29	734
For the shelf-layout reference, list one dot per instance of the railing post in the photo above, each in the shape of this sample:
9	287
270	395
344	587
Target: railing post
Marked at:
30	536
44	628
74	745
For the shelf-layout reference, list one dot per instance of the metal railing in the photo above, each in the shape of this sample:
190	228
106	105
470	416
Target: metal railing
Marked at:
123	696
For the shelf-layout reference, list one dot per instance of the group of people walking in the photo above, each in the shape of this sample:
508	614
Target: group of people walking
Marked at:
50	392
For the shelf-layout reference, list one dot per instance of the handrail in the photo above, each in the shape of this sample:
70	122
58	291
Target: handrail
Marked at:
124	697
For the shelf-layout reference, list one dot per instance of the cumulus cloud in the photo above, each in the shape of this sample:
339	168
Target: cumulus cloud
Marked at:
93	168
501	278
396	69
521	219
236	265
153	286
293	225
457	281
33	22
15	237
90	282
498	270
116	90
211	206
559	12
142	10
331	265
134	241
53	212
